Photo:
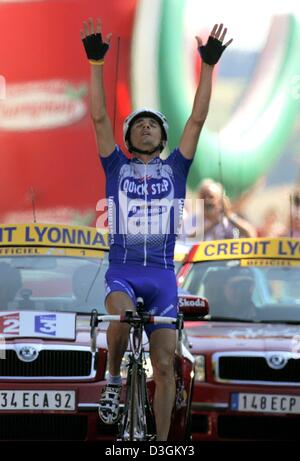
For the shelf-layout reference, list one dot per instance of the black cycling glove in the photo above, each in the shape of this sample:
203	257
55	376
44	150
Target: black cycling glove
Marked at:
212	51
95	47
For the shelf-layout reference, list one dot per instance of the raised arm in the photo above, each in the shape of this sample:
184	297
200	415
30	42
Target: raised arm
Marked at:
210	54
96	49
245	228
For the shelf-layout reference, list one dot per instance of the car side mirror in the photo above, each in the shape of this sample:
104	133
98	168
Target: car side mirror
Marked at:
193	307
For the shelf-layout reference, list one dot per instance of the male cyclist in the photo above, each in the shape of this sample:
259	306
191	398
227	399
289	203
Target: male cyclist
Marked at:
144	195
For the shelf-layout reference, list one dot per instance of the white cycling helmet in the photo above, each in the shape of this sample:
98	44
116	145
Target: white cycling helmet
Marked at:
145	112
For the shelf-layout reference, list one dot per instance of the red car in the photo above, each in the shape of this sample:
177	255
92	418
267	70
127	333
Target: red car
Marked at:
247	350
51	278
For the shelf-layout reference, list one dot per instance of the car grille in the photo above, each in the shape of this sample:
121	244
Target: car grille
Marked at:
43	427
256	368
49	363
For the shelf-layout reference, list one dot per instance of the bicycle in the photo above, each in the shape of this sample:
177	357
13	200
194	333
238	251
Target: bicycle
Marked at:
137	420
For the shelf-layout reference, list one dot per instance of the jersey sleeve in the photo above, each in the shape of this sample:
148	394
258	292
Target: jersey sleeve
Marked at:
179	164
113	162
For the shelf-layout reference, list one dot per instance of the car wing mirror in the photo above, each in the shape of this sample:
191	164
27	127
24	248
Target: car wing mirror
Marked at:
193	307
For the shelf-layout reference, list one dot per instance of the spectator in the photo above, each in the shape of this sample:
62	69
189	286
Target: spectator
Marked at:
219	220
271	226
295	215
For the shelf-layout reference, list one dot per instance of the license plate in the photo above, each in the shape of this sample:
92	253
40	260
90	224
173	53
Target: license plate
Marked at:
37	400
268	403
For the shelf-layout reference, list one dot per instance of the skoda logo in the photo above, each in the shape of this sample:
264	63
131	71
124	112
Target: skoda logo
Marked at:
277	361
27	353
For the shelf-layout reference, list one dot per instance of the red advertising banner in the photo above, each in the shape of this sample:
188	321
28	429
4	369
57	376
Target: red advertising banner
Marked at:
49	167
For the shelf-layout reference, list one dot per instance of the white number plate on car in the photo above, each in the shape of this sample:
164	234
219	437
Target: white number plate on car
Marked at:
37	400
269	403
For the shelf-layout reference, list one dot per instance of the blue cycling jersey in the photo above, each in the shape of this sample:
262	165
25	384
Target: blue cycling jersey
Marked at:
145	204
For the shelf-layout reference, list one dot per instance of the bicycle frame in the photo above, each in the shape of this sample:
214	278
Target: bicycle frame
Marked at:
137	421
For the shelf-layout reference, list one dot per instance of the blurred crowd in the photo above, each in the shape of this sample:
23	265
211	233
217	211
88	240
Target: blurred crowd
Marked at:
220	218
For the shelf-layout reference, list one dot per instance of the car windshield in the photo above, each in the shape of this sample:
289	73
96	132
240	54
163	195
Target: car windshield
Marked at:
55	283
257	291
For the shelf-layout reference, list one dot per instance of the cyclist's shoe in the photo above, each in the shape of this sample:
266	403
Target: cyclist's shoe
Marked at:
109	404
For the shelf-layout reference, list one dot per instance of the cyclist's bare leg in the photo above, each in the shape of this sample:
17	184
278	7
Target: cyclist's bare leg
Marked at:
162	350
117	333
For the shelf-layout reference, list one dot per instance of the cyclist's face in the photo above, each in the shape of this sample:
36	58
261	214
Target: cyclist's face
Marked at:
145	133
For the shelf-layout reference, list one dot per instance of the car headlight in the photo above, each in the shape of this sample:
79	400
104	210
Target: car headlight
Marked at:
125	363
199	367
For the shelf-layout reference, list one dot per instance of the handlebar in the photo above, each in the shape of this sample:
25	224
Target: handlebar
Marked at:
136	319
132	319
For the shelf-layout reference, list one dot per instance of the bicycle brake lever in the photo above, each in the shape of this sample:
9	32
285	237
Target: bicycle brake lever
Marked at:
179	322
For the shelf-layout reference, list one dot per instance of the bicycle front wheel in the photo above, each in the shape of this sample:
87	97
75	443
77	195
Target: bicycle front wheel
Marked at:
134	404
134	424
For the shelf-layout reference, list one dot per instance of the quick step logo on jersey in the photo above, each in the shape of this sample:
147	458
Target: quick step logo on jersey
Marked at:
153	188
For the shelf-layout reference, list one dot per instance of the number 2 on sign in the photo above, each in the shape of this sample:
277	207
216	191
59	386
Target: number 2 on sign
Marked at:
9	326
